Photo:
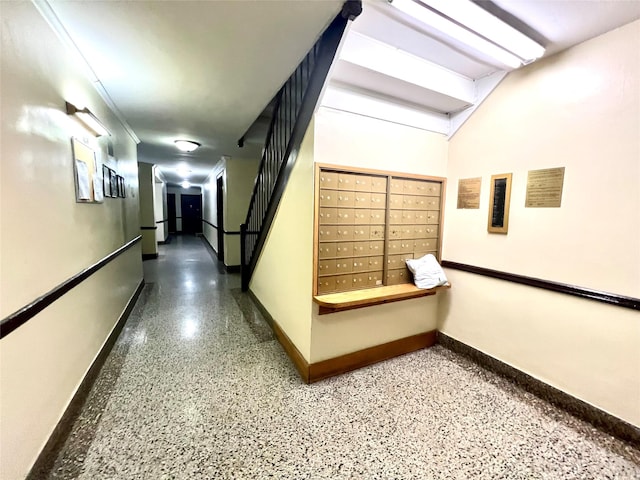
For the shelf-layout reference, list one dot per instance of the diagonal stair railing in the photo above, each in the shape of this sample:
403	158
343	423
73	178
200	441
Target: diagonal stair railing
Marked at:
294	106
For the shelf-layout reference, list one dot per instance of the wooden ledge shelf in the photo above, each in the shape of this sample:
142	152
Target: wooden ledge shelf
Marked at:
338	302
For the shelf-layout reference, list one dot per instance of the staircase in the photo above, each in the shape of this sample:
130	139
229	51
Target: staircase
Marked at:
294	106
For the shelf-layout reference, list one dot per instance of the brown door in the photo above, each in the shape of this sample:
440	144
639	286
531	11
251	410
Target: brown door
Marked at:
171	211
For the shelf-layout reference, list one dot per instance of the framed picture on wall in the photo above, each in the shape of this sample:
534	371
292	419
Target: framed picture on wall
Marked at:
106	181
121	187
113	181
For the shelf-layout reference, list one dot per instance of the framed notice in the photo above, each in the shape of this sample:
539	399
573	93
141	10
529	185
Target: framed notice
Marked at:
121	192
499	200
544	188
469	192
87	181
113	181
106	181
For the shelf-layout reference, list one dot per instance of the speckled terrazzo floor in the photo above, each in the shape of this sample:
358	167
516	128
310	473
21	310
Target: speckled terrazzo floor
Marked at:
198	388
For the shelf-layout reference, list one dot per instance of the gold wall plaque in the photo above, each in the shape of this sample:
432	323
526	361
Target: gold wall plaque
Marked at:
469	192
544	188
499	201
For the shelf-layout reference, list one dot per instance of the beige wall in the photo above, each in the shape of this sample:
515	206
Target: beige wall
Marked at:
352	140
160	210
238	177
43	362
146	180
579	110
283	277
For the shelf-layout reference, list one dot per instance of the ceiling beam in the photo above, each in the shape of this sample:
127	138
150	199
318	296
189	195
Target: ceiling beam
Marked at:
381	57
362	103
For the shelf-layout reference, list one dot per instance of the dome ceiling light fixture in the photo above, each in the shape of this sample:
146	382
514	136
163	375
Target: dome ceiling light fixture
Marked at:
186	145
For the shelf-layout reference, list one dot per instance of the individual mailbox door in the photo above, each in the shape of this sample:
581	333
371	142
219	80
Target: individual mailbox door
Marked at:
361	216
361	232
362	183
420	202
327	250
328	198
328	180
375	263
346	181
377	232
360	264
397	185
421	217
360	249
359	280
378	200
395	232
395	217
396	277
431	231
344	249
419	231
344	265
374	279
362	199
396	202
379	184
346	216
376	217
327	233
432	203
327	267
433	217
425	244
326	284
343	282
345	199
376	247
328	216
344	232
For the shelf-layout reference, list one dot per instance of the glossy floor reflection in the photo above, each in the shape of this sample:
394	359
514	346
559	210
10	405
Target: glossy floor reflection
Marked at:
198	388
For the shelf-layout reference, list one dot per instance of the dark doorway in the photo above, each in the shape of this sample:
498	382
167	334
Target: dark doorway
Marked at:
219	217
171	212
191	213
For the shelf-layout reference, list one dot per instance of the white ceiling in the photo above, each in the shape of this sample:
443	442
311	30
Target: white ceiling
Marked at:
205	70
201	70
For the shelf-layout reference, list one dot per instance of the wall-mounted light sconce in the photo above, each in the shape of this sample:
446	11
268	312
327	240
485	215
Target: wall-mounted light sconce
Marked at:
88	119
472	25
186	145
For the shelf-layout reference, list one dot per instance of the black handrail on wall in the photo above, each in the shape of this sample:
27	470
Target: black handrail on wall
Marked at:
293	110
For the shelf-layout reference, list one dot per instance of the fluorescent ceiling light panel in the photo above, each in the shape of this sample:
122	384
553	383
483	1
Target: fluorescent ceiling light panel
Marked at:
186	145
451	29
484	23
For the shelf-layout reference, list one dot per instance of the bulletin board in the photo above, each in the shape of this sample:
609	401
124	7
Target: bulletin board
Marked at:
87	180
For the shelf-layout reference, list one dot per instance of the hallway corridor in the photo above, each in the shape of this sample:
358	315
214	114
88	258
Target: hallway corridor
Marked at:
197	387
